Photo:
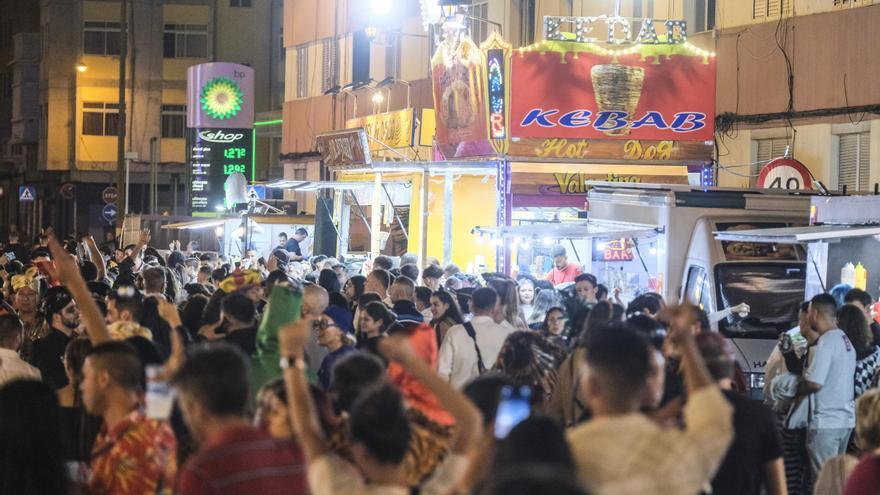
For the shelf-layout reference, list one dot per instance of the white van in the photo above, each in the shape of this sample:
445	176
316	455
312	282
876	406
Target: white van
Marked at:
718	275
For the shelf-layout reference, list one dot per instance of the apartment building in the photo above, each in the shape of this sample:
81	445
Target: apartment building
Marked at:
79	94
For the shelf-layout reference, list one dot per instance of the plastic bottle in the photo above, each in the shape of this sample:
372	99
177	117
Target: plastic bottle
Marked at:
861	277
848	275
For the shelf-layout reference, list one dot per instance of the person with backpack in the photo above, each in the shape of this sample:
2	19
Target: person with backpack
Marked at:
469	349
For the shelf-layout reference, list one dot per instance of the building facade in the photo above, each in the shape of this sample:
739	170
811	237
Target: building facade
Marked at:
795	74
79	95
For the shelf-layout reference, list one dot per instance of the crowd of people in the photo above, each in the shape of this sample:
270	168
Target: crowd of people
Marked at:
133	370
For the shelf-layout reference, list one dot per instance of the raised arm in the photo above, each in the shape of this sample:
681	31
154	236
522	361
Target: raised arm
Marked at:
69	275
467	417
95	256
303	413
138	253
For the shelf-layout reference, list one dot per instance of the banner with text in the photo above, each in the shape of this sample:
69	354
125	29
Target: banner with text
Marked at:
582	91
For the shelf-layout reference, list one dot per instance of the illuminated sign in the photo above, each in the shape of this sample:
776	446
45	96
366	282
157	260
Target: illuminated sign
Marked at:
613	249
619	30
212	156
394	129
497	103
219	95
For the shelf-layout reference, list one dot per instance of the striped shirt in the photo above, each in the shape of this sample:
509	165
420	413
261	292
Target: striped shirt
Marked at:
244	460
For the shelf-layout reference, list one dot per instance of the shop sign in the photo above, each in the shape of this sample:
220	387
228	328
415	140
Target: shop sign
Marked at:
633	149
497	100
220	95
618	30
394	129
613	249
344	149
212	156
580	91
458	83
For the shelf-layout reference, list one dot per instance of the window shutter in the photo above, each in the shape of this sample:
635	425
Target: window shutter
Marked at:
853	162
768	149
759	9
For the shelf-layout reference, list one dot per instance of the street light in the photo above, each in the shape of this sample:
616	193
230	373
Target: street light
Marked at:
81	67
391	80
378	98
381	7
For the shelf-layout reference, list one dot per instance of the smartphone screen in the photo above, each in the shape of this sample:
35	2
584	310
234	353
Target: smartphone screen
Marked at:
514	406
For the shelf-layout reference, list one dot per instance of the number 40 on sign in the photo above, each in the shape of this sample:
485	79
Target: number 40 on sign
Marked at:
785	173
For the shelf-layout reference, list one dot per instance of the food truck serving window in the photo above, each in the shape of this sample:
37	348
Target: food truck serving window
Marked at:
773	291
753	251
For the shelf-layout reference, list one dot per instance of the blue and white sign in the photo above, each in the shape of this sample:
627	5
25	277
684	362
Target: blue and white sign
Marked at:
110	212
256	192
27	193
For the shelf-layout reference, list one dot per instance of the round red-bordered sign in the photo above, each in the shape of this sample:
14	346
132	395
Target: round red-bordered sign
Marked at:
785	173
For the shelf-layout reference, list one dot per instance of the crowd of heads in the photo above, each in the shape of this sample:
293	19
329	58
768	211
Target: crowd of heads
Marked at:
100	326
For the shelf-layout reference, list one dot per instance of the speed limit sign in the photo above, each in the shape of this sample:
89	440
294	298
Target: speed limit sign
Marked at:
785	173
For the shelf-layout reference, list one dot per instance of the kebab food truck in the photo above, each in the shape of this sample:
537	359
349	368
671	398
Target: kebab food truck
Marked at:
661	238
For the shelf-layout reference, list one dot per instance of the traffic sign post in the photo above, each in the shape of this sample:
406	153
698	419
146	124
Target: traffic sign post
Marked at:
110	194
110	212
67	190
785	173
27	194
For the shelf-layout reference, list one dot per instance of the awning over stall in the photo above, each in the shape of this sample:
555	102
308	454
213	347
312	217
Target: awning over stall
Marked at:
571	230
799	235
196	224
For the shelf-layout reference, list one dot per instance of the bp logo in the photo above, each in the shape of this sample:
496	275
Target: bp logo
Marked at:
221	98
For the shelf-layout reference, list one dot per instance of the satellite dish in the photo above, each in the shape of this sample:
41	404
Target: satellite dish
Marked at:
236	189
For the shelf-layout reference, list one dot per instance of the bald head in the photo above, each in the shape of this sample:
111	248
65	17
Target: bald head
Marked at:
315	300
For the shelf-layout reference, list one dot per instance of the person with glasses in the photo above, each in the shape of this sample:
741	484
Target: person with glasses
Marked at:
553	328
335	333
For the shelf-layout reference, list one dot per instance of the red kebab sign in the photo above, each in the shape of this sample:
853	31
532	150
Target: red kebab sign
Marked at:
566	89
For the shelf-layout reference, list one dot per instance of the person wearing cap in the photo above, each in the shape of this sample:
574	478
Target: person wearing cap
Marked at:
63	316
562	271
336	334
753	464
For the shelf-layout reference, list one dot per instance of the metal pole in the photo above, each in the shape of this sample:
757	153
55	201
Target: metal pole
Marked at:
447	219
154	176
423	221
125	194
121	163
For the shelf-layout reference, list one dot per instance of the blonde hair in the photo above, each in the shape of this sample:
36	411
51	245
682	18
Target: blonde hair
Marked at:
868	420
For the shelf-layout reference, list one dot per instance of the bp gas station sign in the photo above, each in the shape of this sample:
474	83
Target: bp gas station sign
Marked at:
219	140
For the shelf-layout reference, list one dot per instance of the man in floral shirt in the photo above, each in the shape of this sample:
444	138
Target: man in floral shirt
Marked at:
133	455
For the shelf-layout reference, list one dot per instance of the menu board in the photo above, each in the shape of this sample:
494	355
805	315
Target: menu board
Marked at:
212	156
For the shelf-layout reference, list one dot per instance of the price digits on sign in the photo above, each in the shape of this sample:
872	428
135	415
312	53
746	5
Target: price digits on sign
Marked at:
633	150
231	168
235	153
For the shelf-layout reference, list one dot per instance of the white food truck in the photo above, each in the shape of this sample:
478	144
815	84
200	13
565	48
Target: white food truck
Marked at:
661	238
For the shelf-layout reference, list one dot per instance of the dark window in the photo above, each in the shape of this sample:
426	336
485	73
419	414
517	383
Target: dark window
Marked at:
5	35
173	121
239	3
773	291
186	41
101	38
100	119
697	288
